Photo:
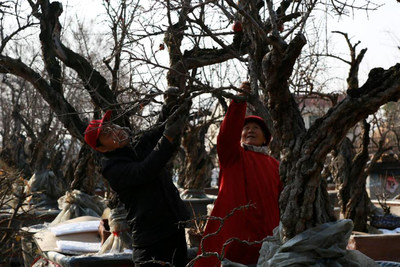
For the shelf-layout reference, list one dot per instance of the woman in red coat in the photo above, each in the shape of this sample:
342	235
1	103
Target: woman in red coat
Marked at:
248	175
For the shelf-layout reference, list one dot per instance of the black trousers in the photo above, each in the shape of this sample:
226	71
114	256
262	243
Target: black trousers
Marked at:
172	249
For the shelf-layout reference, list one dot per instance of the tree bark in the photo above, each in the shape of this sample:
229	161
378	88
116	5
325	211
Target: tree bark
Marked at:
85	171
54	50
350	175
55	99
198	162
304	152
304	202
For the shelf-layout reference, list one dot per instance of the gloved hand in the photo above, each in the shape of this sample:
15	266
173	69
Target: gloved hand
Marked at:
171	96
175	125
170	103
245	86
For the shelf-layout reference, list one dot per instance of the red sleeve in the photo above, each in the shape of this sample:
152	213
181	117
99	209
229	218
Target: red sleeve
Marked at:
228	142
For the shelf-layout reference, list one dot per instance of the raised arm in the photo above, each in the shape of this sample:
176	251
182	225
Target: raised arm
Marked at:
149	139
228	142
124	172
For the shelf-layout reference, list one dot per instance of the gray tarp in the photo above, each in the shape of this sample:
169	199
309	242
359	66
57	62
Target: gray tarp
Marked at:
321	246
76	204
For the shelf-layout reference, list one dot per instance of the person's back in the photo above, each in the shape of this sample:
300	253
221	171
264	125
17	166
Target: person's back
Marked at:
147	191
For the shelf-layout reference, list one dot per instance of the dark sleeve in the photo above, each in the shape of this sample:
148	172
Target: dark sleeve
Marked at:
164	113
228	141
145	143
125	172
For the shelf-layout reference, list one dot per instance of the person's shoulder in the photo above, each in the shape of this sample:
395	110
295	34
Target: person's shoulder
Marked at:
121	154
273	160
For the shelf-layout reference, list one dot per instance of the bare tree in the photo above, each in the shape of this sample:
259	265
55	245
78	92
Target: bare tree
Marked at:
194	32
198	161
12	196
304	201
56	89
350	173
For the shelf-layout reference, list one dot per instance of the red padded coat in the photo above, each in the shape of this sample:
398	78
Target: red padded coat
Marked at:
246	177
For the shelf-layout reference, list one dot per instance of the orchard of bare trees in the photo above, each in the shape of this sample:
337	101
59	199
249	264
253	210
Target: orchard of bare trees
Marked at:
58	71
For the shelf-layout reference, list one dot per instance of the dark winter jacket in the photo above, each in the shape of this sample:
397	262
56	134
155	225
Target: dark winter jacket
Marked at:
138	174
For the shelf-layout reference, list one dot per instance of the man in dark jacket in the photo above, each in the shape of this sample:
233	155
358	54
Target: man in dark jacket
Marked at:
136	172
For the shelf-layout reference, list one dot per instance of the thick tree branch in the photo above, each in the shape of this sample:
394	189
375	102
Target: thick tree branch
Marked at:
380	88
173	39
50	32
352	79
53	48
277	69
55	99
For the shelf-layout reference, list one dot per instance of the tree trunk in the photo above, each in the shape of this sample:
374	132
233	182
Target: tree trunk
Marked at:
340	168
198	162
304	201
350	177
85	171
